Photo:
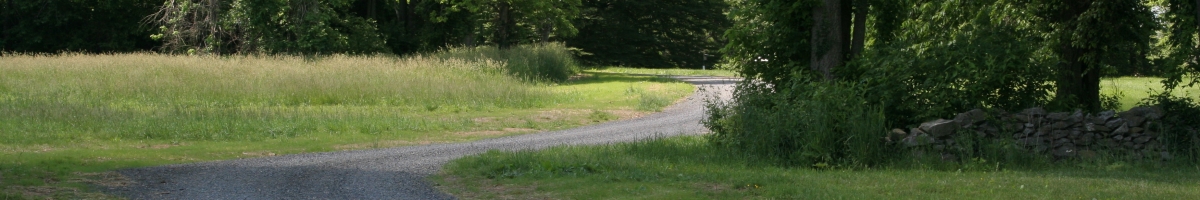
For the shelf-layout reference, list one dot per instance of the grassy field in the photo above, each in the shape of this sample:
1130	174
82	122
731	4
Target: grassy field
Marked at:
1131	90
689	168
65	120
668	72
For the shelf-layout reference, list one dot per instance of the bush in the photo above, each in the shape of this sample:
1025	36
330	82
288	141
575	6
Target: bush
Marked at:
1180	125
820	124
535	62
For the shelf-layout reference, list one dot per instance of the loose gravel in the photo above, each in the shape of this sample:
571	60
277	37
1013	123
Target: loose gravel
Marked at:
394	173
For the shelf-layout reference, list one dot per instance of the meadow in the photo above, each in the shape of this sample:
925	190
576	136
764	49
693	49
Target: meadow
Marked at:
66	118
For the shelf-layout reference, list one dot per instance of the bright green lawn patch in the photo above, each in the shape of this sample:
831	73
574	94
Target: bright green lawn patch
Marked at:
690	168
1131	90
64	117
678	72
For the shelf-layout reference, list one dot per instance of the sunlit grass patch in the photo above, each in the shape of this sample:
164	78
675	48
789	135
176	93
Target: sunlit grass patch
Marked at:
1131	90
667	72
689	168
76	113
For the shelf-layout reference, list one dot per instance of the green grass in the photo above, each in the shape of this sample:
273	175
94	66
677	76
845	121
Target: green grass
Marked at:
66	117
689	168
668	72
1131	90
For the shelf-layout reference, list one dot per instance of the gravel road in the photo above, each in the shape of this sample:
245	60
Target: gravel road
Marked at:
394	173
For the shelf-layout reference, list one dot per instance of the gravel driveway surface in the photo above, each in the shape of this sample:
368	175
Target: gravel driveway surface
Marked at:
394	173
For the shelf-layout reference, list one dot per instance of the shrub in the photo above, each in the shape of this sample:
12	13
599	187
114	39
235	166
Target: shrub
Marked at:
1180	125
814	124
534	62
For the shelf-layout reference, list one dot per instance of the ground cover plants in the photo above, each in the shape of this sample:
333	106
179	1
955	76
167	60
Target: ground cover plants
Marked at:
689	167
65	120
739	164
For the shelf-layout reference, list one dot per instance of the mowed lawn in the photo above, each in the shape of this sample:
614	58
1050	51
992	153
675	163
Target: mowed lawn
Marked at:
689	168
67	119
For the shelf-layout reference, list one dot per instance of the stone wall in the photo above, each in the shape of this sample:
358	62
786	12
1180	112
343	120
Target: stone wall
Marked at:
1060	134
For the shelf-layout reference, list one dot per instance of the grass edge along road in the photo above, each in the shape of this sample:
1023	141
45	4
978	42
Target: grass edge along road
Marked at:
687	167
81	115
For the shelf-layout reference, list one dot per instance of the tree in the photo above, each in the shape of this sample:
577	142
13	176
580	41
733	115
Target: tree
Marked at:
264	26
509	22
681	33
1088	35
75	25
1182	21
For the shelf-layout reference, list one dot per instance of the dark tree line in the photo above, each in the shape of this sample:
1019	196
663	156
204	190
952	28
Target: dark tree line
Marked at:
635	33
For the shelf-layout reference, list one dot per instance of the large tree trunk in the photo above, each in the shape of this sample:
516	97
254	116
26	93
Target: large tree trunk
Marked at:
503	24
828	38
1078	82
860	27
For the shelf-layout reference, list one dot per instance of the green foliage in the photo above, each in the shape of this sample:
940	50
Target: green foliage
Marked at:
656	34
51	26
1182	21
1179	130
506	23
769	39
818	124
534	62
302	27
953	56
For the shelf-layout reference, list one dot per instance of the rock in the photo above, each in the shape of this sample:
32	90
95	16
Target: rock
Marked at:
1031	141
1022	117
1058	116
978	115
1135	130
1165	155
914	140
1142	140
1061	142
1060	125
1090	127
1119	137
896	134
1104	116
1076	117
1034	112
939	128
915	131
1134	120
1060	134
1121	130
939	147
1086	139
1114	123
1013	127
1107	142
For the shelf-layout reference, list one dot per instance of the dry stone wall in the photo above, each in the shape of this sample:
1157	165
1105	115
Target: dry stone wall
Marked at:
1060	134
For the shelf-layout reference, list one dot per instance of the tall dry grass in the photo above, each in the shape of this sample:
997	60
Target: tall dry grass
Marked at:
69	97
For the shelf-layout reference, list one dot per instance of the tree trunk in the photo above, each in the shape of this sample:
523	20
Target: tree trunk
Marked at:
860	27
1197	5
828	36
1078	82
503	19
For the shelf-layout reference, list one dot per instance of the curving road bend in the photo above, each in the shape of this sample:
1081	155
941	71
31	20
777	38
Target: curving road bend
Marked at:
394	173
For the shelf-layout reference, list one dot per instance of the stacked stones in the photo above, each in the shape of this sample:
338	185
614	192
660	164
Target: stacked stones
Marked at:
1060	134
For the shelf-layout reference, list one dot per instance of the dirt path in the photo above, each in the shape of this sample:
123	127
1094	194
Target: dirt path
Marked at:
395	173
